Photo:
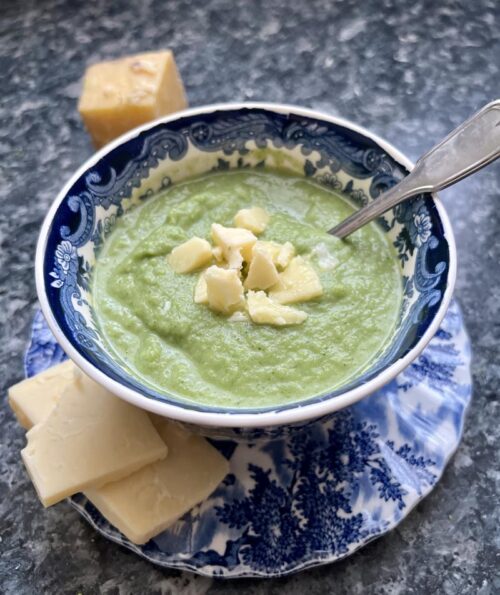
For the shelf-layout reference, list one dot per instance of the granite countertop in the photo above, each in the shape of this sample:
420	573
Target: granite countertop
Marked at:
409	74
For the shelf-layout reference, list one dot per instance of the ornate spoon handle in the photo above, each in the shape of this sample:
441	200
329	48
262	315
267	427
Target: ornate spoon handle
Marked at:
470	147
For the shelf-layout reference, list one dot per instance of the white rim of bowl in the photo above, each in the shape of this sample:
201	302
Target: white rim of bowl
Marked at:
299	413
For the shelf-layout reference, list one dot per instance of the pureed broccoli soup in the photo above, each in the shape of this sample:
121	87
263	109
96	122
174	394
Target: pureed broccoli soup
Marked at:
161	335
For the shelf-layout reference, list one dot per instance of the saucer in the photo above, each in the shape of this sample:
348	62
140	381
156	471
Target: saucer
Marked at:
320	493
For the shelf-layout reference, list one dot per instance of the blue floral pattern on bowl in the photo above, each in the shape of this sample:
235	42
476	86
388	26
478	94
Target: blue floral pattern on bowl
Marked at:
332	154
321	492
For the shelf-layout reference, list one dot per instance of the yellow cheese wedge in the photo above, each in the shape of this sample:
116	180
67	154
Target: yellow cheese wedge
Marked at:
90	438
147	502
230	239
263	310
200	290
122	94
254	219
281	254
299	282
224	289
33	399
262	273
191	255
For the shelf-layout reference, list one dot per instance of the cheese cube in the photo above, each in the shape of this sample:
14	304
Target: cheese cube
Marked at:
147	502
281	254
33	399
262	273
230	239
254	219
224	289
299	282
200	290
263	310
90	438
190	255
122	94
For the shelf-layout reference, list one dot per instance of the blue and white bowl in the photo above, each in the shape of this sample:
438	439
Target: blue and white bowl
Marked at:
334	152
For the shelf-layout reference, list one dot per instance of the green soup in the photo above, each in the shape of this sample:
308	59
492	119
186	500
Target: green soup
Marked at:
149	320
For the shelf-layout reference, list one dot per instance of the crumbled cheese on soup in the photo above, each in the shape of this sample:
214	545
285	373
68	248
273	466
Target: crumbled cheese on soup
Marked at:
244	263
254	219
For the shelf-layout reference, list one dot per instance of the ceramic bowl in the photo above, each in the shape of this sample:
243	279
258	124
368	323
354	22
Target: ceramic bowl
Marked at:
333	152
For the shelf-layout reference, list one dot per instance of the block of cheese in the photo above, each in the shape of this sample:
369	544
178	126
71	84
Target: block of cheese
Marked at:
238	316
299	282
224	289
147	502
90	438
281	254
191	255
262	273
230	239
122	94
254	219
263	310
34	398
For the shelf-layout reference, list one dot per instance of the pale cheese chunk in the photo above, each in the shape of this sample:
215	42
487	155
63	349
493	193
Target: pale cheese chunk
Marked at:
262	273
122	94
90	438
230	239
285	255
281	254
147	502
263	310
224	289
299	282
200	290
254	219
217	253
191	255
272	248
34	398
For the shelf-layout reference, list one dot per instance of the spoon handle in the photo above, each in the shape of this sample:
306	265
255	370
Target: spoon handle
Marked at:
470	147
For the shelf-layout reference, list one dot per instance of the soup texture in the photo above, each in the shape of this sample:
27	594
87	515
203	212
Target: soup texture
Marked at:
149	320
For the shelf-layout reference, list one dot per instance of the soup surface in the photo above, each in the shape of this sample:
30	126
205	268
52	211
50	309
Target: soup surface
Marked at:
147	314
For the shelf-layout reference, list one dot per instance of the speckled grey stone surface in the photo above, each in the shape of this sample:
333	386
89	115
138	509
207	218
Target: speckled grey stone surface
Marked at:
408	71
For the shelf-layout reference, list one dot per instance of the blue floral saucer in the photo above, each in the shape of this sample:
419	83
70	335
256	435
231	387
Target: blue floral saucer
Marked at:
322	492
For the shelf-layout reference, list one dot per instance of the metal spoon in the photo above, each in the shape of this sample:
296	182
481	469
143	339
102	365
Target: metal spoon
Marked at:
470	147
